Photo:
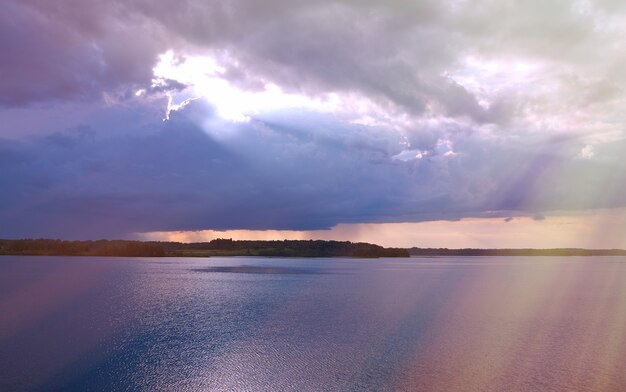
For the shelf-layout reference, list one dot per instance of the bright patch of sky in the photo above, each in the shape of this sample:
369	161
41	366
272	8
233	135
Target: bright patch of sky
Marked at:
206	79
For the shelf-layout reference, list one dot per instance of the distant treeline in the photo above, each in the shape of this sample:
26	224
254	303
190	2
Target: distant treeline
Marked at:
286	248
218	247
229	247
515	252
47	247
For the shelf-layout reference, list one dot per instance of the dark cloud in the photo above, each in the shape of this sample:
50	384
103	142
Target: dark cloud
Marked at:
55	51
286	171
483	108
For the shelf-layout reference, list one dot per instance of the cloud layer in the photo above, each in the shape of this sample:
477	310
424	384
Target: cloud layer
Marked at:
303	115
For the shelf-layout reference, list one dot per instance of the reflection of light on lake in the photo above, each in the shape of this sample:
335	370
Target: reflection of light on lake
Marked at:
540	326
454	324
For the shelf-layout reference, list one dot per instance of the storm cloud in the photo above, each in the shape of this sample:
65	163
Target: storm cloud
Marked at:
303	115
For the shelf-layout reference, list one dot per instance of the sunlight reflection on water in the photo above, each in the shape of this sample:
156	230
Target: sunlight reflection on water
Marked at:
222	324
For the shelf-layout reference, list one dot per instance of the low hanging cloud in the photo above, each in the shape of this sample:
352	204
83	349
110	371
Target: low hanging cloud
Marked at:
299	171
303	115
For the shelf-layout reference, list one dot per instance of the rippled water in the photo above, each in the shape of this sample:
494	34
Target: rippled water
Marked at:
267	324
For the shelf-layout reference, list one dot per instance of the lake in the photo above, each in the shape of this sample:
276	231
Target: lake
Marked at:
273	324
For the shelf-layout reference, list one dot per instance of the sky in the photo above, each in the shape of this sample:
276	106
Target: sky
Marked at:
459	123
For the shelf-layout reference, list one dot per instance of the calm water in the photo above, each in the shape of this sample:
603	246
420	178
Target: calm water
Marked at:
261	324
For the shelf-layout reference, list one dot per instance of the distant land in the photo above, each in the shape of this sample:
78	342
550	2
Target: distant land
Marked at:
218	247
286	248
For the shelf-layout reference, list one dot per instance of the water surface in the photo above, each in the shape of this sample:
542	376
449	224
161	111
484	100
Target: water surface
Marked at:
242	323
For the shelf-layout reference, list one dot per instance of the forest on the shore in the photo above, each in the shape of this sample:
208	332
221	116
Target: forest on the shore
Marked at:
286	248
217	247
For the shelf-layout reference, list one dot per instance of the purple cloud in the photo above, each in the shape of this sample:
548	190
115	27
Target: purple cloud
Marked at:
275	172
446	111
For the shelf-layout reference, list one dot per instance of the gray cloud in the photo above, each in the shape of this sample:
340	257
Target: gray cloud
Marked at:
59	51
395	50
489	105
280	171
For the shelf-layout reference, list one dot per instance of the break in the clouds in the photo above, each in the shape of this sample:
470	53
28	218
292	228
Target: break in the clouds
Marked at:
137	116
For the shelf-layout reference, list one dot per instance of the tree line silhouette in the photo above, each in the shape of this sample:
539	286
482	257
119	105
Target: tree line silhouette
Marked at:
286	248
218	247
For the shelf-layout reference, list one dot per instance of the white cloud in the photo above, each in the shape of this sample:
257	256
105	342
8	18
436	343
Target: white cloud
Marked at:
408	155
587	152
